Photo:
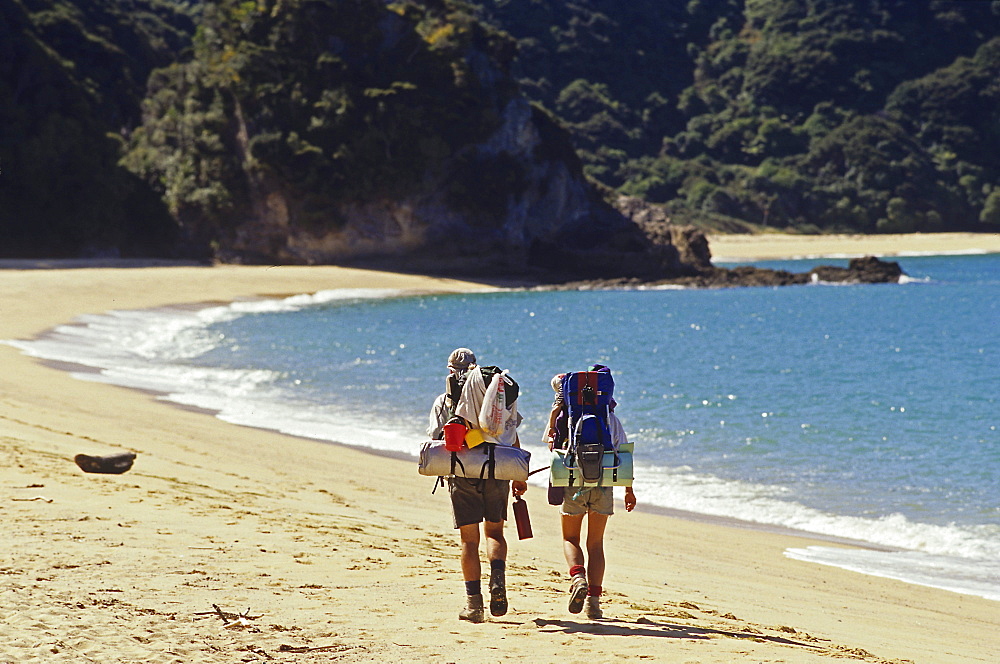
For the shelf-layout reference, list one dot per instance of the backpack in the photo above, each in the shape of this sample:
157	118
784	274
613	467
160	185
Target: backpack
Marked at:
456	382
509	384
587	400
494	461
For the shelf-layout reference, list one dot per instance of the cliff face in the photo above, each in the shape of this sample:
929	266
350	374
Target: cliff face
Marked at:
553	203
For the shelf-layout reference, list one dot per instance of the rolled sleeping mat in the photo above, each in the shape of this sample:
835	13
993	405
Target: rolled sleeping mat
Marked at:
617	469
500	462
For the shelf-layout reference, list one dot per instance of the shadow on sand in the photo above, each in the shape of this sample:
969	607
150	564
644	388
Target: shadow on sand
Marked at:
646	627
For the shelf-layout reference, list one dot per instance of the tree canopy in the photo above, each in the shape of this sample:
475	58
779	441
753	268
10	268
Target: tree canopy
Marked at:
157	126
862	115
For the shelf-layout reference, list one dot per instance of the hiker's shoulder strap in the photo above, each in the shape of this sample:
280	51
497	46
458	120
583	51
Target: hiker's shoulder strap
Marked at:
454	393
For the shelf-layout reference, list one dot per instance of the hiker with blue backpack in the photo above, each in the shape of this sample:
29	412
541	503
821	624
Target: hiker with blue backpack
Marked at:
591	456
480	499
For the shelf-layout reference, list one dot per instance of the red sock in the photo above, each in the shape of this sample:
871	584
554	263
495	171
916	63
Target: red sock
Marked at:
578	570
594	591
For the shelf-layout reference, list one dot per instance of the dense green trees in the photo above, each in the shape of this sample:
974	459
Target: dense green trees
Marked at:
126	125
869	115
333	101
71	77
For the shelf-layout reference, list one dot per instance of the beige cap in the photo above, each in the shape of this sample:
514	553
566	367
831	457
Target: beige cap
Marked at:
461	358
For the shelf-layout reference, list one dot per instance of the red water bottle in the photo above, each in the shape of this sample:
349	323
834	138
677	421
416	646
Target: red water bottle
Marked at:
521	518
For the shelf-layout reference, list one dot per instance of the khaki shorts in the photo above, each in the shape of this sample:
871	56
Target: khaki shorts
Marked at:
600	499
473	501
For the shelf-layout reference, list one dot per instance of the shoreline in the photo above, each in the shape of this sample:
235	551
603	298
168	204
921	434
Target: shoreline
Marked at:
84	370
224	514
161	395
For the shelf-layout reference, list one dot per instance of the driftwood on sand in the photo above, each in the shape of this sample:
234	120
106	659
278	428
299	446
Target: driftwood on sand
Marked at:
231	620
114	464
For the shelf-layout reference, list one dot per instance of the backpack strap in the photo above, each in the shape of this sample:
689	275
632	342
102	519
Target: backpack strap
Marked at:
454	393
489	468
456	461
587	396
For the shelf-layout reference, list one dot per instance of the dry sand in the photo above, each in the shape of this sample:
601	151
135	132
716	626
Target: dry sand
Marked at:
736	248
341	556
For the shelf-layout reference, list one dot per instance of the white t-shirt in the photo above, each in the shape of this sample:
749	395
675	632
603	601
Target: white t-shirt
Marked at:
438	417
617	430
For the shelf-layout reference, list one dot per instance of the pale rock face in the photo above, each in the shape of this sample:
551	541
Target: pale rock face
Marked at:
379	228
555	202
517	135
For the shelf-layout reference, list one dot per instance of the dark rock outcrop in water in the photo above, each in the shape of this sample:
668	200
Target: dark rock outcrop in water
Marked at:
867	270
689	260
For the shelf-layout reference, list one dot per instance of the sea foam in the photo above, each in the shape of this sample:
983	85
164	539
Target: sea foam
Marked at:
949	573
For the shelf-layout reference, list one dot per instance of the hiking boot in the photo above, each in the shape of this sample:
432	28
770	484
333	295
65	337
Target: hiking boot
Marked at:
577	593
498	593
594	608
473	611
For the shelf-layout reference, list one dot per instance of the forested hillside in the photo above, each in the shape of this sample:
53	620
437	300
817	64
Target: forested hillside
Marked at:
867	115
308	130
72	78
308	106
326	130
290	131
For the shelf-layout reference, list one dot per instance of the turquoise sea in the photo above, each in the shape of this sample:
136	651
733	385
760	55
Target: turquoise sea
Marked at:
864	412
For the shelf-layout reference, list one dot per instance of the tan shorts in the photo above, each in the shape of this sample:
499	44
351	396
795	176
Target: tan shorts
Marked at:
600	499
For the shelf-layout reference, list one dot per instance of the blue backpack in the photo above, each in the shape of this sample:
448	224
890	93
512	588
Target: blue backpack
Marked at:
587	400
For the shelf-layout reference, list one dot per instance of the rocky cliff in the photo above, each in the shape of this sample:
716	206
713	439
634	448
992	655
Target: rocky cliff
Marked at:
554	223
317	132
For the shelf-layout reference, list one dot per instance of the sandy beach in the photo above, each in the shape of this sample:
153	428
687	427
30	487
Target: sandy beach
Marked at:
737	248
315	552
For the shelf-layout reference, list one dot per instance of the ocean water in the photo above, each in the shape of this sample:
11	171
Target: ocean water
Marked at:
864	412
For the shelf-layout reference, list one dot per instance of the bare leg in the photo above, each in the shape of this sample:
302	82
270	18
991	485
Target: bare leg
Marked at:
496	551
596	523
571	527
471	568
471	571
496	544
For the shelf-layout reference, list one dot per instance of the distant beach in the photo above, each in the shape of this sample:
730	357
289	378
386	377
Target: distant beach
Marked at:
227	543
775	246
